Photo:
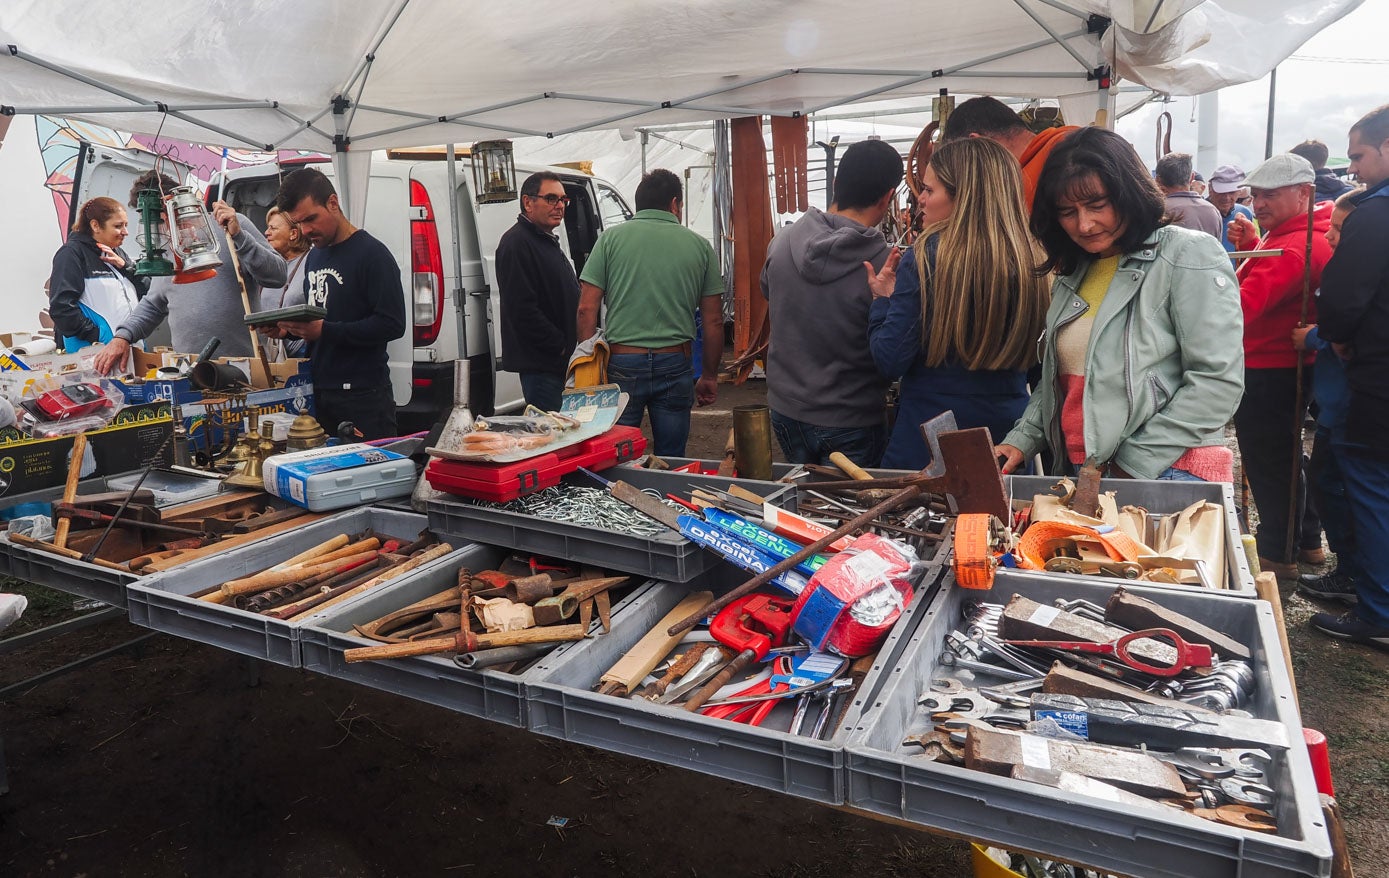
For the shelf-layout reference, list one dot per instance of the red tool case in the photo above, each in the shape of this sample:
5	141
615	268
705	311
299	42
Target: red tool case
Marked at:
500	482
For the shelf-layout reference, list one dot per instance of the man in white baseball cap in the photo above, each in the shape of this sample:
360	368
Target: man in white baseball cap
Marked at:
1271	296
1223	192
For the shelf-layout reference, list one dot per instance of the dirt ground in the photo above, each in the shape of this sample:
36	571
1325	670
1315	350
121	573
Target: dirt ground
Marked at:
181	759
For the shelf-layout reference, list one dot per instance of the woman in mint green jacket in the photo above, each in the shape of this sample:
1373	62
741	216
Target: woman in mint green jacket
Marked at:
1142	361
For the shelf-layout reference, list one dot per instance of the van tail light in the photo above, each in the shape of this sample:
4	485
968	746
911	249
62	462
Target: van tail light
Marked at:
426	269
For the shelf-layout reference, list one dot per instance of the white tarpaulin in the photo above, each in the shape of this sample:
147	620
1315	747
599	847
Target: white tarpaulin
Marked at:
410	72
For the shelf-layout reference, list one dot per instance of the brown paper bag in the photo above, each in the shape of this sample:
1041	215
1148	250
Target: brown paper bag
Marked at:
1197	533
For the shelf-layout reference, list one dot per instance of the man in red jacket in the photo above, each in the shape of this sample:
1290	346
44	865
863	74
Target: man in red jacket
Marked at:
1272	293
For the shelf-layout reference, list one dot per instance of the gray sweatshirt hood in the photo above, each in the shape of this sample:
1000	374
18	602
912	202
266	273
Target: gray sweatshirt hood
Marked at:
825	247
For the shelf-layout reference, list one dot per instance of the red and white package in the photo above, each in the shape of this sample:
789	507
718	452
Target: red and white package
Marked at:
853	601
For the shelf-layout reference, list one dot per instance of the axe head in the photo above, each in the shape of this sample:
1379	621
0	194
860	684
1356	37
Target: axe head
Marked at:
964	468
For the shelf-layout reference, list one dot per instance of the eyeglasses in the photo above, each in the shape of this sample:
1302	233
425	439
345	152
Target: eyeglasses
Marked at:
552	199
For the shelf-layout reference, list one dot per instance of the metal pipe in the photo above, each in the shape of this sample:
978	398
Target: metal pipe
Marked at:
752	441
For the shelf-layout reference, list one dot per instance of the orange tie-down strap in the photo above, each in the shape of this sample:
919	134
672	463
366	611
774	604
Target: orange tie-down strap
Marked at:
1039	541
976	545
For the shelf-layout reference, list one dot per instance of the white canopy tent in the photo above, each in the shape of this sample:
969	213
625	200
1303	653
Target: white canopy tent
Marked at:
349	76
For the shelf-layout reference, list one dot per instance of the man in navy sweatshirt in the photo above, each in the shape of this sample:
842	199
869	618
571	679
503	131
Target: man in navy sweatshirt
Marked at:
357	280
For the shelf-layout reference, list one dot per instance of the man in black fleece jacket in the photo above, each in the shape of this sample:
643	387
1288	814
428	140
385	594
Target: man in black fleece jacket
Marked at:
539	293
357	280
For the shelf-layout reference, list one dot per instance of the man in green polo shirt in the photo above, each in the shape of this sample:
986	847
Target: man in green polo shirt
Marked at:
653	272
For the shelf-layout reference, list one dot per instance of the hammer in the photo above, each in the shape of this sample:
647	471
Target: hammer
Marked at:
963	465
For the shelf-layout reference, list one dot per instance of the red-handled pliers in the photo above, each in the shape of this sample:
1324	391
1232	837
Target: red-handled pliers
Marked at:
753	714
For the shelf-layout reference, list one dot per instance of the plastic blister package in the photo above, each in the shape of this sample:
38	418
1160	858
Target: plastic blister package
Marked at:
853	601
61	405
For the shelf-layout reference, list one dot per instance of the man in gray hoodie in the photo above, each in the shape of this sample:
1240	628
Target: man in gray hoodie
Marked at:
824	391
199	311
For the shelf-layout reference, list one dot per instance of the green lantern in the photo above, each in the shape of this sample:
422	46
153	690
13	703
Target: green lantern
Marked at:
153	237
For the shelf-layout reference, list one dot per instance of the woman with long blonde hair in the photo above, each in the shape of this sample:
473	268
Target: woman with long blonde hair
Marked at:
959	323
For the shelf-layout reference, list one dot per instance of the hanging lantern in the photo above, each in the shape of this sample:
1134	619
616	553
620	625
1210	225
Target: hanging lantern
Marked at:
194	241
494	172
153	237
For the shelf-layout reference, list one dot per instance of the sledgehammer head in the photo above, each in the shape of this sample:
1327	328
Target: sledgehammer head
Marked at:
964	468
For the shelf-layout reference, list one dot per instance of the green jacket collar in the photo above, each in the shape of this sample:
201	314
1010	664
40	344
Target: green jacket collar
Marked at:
1144	254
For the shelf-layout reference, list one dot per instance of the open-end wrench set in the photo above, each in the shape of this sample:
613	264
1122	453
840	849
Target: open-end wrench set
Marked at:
1129	701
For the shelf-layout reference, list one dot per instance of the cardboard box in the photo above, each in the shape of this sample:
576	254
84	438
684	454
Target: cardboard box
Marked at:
133	440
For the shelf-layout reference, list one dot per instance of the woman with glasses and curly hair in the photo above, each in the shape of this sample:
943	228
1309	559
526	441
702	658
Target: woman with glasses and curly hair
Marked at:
1142	364
959	326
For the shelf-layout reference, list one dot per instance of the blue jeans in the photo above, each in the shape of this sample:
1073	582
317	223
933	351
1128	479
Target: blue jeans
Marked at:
808	443
1329	494
543	389
1367	489
1172	474
663	385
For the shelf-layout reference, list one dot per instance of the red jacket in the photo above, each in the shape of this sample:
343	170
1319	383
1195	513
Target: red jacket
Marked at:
1270	290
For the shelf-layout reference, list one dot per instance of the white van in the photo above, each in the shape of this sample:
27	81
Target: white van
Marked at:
452	305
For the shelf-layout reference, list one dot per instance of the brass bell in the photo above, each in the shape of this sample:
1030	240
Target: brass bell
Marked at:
305	433
251	475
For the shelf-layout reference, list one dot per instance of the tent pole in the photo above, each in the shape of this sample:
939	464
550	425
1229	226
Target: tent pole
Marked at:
1272	91
460	300
1208	132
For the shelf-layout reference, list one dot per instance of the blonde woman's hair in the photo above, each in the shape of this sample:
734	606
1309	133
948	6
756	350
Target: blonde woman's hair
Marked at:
301	246
982	304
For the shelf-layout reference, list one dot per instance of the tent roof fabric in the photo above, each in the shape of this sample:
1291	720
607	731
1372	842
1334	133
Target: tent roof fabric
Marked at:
409	72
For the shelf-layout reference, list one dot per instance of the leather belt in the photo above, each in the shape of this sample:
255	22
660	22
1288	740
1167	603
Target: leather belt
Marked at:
683	348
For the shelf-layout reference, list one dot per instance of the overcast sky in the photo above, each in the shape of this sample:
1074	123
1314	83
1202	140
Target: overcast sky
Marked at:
1329	83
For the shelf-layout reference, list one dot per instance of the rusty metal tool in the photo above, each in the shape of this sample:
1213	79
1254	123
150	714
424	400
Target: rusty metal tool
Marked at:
1189	655
1086	498
963	467
657	688
467	641
66	512
1160	727
144	474
1134	612
554	609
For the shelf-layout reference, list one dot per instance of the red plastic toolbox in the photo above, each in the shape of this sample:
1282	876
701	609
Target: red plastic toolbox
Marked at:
501	482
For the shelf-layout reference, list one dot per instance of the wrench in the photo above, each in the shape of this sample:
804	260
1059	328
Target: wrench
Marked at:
949	659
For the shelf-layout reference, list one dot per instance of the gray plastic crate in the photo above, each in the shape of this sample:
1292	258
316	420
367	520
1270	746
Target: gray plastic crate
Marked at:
490	694
52	571
1163	498
667	557
886	777
563	705
162	601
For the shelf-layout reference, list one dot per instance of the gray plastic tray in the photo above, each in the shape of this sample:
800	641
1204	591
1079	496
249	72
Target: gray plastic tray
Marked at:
52	571
668	557
162	601
885	777
563	705
1163	498
489	694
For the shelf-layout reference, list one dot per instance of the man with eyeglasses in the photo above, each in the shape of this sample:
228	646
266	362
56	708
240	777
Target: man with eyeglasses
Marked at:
653	273
539	293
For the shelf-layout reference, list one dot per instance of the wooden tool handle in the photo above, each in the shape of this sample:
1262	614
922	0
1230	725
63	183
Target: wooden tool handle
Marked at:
272	578
740	661
1266	587
323	548
433	646
851	469
79	450
901	498
465	642
544	634
424	557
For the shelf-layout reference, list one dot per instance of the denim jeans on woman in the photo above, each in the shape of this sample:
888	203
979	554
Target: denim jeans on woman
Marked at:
663	385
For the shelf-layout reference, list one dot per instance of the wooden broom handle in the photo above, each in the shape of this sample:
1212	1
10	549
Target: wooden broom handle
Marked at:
79	450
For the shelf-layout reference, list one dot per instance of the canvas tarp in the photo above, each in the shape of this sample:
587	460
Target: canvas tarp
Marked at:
322	74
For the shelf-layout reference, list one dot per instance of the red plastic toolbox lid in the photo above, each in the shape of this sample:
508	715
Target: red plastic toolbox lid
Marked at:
500	482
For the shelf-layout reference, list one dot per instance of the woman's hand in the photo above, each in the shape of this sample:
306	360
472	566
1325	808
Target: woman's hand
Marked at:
880	283
1241	232
110	257
1012	457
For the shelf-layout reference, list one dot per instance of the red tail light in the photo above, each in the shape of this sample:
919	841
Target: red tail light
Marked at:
426	269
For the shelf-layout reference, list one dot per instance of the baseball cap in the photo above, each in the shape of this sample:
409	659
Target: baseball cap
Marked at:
1284	169
1226	179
